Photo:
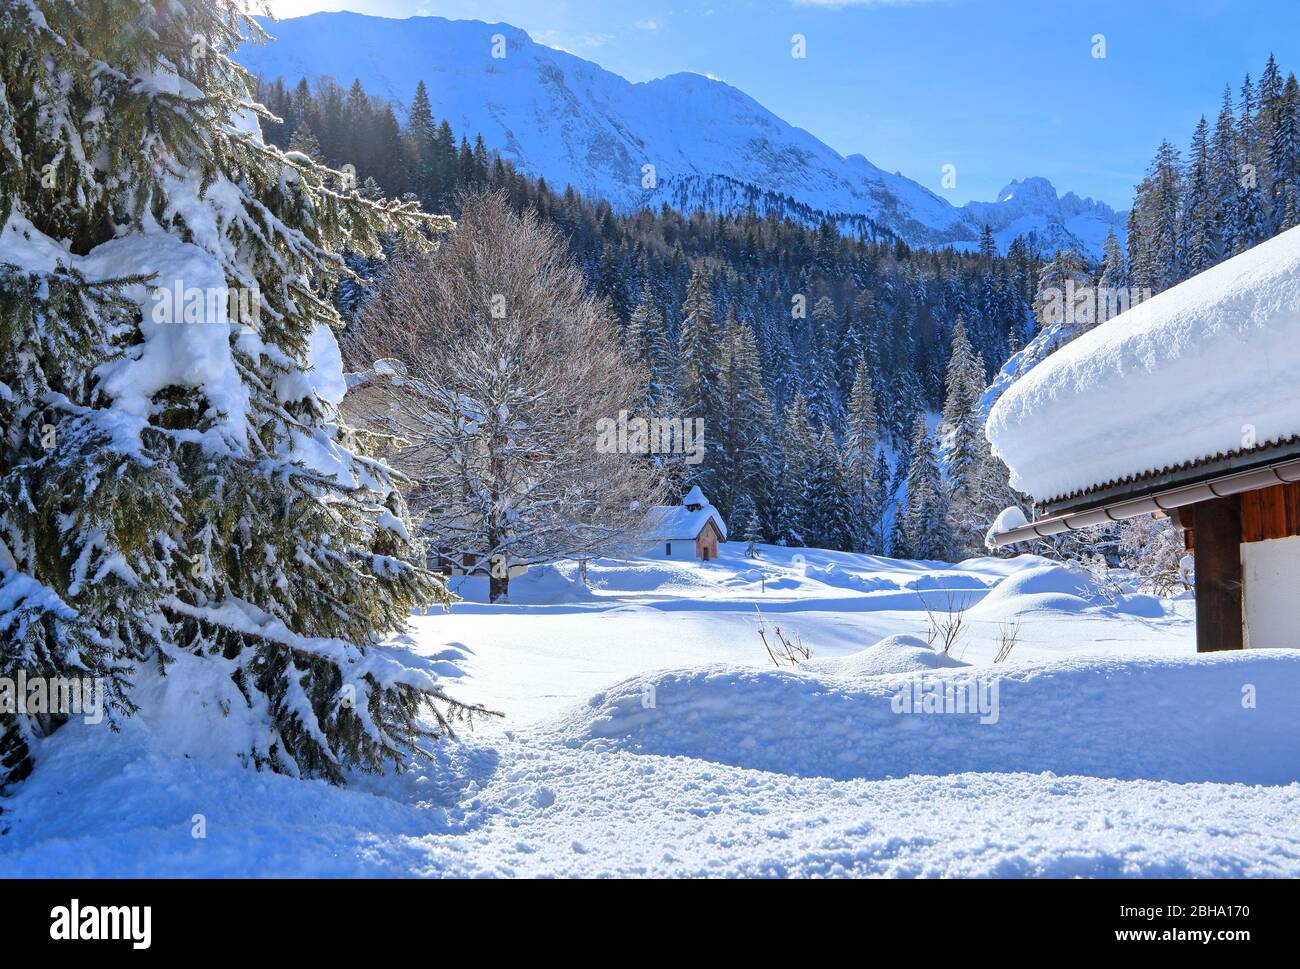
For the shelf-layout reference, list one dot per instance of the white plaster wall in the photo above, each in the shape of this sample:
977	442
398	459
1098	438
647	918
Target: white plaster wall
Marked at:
682	549
1271	573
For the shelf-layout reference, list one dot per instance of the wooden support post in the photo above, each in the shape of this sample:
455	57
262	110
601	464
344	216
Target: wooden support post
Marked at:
1219	617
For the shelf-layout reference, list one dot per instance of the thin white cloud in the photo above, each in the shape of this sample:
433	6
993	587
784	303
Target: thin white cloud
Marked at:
647	24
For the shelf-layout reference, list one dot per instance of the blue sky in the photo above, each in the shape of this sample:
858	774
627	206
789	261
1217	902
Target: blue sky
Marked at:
1001	89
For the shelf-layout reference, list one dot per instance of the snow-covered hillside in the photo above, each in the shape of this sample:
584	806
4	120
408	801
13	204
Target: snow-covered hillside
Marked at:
647	733
556	115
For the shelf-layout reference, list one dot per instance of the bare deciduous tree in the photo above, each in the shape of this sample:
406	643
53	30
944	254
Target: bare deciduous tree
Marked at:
506	365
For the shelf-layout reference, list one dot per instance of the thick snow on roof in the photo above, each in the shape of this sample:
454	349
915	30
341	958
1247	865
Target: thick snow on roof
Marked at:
695	497
1204	369
668	523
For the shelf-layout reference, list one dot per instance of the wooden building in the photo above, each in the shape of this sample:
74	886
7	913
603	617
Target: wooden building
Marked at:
1187	406
692	529
1248	543
1242	527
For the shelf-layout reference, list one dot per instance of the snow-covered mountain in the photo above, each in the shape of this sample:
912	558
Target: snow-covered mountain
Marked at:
556	115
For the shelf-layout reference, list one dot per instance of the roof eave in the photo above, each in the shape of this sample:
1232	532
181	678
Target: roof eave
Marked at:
1196	472
1209	484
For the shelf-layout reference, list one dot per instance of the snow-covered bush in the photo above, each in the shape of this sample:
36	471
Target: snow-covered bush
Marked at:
1143	554
1153	550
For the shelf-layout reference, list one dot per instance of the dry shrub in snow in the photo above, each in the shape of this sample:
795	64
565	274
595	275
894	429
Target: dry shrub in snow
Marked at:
948	626
781	649
1008	639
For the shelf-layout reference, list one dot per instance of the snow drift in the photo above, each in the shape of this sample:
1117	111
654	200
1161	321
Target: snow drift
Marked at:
1178	719
512	801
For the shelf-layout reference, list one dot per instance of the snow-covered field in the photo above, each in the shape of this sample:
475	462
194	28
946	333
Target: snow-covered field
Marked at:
647	732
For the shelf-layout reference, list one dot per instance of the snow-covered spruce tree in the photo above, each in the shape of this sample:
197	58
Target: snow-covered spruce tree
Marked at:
963	385
798	447
964	447
862	431
829	515
648	341
1064	274
926	518
753	533
700	388
1283	154
745	448
305	142
898	542
856	342
1199	238
821	380
1224	172
173	481
610	284
877	510
420	145
1114	273
1249	216
514	373
1154	241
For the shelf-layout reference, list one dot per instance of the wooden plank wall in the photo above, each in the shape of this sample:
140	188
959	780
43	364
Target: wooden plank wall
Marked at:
1270	513
1265	514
